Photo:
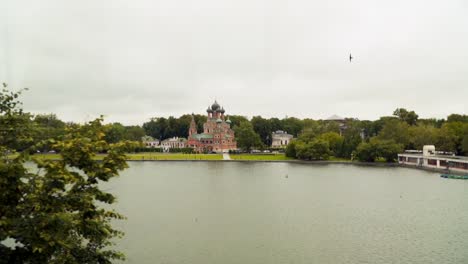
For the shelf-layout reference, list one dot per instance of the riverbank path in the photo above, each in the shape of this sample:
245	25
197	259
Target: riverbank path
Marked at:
226	156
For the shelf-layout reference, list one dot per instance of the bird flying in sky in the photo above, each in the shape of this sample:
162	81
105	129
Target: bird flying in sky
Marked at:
350	57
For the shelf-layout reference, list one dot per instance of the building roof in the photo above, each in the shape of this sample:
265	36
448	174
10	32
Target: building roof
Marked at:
147	139
280	132
202	135
335	118
174	139
215	106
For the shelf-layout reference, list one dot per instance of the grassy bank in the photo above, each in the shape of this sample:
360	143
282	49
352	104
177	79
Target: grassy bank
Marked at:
173	156
260	157
180	156
147	156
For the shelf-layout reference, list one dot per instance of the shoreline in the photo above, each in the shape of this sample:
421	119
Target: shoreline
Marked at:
306	162
318	162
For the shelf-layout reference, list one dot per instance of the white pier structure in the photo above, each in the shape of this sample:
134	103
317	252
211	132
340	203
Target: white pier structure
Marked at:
429	158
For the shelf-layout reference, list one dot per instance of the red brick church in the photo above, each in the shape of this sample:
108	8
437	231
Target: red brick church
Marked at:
217	134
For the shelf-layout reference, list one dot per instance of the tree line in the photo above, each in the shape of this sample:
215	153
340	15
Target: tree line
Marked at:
360	139
402	130
381	139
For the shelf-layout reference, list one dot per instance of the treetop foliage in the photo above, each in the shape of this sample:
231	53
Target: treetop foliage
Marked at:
58	214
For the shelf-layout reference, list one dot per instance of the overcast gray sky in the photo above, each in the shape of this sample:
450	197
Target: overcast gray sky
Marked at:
131	60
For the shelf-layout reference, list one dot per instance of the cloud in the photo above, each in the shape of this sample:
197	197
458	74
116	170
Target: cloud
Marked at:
131	60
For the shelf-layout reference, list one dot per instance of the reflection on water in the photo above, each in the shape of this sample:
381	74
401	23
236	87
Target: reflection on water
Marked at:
218	212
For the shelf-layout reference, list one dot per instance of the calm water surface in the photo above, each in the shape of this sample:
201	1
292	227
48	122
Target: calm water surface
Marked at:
228	212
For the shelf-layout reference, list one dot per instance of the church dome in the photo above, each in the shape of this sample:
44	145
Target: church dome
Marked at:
228	121
222	110
215	106
209	110
219	120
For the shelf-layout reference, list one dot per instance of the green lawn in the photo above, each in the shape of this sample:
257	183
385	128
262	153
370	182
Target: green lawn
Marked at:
148	156
259	157
173	156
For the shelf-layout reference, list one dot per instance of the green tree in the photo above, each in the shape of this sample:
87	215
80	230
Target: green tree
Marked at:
246	137
292	125
410	117
308	134
317	149
366	152
388	150
172	128
275	124
50	121
310	125
457	118
156	127
116	132
421	135
326	126
47	126
377	148
451	136
446	139
263	128
464	144
291	149
310	130
15	125
17	131
377	126
335	142
397	131
134	133
351	138
56	215
236	120
431	122
200	120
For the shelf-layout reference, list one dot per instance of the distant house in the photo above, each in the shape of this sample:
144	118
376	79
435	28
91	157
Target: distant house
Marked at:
174	142
280	139
340	121
342	124
150	142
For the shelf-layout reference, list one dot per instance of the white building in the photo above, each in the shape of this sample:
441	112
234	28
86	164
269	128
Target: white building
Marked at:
150	142
174	142
429	158
280	139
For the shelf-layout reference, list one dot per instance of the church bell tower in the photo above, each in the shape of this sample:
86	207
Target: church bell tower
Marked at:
193	127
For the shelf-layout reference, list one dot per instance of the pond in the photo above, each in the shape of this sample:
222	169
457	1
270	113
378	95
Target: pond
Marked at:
237	212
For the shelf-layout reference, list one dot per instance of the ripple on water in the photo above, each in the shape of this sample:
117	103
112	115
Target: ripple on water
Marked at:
251	213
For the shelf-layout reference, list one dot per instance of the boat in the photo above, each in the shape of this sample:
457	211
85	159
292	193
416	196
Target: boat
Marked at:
453	176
